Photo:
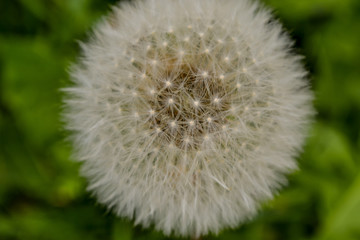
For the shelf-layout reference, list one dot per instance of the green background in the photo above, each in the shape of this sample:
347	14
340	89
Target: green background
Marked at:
41	193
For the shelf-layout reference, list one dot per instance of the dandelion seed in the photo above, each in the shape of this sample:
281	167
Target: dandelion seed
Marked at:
205	74
152	91
173	124
196	103
206	137
171	101
151	112
216	100
167	83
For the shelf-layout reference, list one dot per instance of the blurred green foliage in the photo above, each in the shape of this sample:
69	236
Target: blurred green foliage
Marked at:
41	194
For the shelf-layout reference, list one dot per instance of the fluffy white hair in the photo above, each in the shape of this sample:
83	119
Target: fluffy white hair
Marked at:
187	114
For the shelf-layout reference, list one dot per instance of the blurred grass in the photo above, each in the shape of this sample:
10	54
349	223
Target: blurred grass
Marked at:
41	194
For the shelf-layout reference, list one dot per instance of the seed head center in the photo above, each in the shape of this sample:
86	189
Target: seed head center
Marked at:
189	104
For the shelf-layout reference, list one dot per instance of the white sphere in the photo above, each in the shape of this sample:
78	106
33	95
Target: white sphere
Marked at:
187	114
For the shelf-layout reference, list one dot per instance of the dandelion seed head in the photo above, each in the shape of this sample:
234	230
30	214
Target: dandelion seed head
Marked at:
191	143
